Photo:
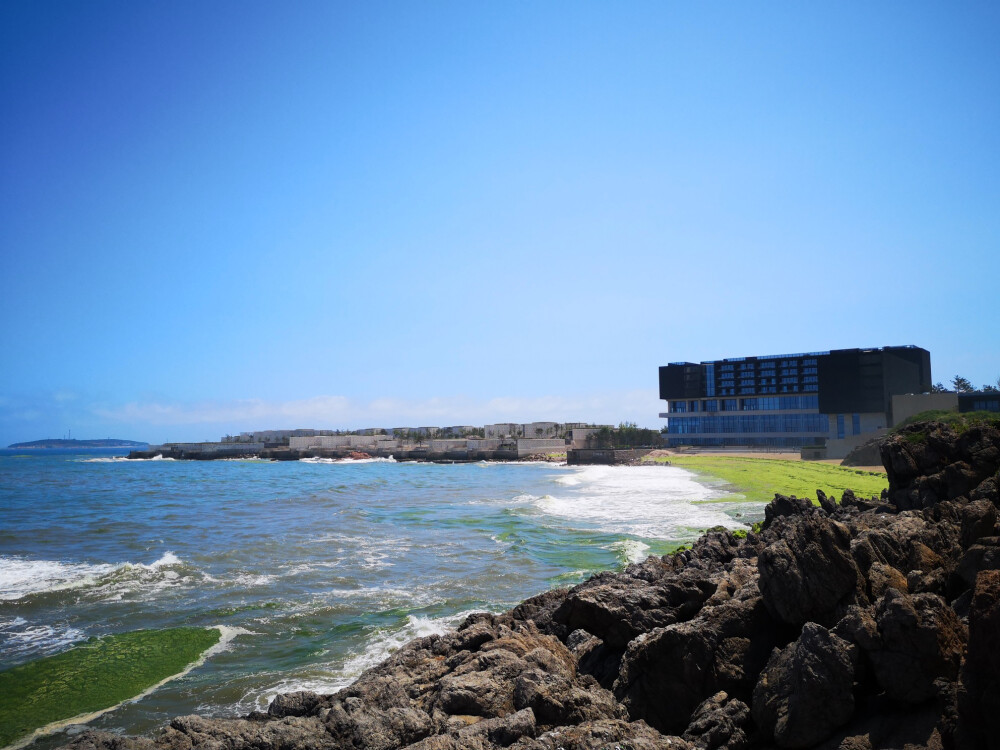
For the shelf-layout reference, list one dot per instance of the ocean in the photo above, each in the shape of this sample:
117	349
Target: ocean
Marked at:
313	570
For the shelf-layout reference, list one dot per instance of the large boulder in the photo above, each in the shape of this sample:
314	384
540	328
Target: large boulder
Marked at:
979	693
805	691
719	723
921	640
808	573
667	673
930	462
618	610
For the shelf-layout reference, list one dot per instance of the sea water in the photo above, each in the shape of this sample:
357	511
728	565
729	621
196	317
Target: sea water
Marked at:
315	570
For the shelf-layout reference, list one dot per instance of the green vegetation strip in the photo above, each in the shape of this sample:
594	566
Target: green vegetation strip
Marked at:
94	676
758	479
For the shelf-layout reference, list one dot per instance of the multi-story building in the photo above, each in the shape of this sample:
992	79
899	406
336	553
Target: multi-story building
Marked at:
789	399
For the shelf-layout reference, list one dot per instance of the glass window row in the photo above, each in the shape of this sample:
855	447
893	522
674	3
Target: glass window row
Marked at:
750	423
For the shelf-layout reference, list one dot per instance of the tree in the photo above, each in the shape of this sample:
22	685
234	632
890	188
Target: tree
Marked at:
938	388
961	385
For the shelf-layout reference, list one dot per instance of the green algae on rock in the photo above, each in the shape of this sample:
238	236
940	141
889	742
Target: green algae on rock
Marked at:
94	676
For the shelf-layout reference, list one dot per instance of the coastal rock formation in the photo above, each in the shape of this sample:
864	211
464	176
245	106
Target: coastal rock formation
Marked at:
872	623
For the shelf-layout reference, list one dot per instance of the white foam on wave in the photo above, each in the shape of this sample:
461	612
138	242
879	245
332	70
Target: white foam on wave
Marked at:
333	676
631	550
20	638
349	461
121	459
21	577
653	502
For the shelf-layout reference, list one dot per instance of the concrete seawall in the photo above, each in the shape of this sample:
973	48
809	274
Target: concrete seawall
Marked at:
288	454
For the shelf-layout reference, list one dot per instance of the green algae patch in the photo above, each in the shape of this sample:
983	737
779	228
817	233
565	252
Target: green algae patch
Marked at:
95	676
758	479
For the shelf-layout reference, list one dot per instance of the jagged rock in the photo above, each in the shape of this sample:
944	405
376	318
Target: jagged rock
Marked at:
302	703
987	490
618	611
807	574
785	506
290	733
666	673
605	735
929	463
826	503
805	691
921	639
882	577
985	555
979	692
979	519
718	724
501	731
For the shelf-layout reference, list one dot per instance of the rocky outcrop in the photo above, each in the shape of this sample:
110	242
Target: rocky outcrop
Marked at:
869	623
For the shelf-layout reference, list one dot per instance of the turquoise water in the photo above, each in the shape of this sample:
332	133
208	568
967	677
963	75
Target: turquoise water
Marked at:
315	570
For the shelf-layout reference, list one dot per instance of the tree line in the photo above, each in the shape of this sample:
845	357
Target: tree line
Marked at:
964	385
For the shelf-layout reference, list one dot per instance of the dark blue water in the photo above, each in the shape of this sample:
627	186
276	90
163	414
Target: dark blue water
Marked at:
313	571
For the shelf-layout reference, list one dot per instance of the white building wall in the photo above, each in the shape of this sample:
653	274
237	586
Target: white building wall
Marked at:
547	429
483	444
442	446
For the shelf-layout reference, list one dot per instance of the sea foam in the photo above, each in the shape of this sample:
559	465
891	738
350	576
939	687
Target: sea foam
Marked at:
653	502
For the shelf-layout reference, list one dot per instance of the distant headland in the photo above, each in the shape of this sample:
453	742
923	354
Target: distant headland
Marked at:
74	443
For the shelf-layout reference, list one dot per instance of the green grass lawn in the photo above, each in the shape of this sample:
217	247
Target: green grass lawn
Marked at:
758	479
94	676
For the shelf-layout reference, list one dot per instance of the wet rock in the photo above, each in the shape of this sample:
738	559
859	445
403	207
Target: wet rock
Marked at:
302	703
719	723
805	691
807	574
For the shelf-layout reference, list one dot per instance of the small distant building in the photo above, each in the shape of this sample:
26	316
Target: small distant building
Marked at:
540	429
503	430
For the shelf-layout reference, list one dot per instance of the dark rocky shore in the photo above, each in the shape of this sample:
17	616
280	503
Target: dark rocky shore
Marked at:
868	623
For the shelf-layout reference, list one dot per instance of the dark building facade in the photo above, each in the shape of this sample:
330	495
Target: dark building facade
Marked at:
789	400
979	401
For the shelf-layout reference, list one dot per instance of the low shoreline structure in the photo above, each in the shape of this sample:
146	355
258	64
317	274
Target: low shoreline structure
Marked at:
865	624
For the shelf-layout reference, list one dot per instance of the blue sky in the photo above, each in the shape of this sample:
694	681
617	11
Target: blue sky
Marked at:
240	215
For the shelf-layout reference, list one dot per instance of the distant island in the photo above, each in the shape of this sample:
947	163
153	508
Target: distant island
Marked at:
74	443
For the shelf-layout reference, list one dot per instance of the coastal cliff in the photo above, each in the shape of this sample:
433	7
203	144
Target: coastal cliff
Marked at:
868	623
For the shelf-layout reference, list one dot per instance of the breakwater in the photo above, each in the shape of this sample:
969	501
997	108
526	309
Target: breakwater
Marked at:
868	623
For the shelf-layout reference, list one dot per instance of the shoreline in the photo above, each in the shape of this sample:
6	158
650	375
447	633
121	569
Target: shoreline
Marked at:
709	644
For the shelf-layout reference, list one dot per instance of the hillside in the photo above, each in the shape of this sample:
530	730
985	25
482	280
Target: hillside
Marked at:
74	443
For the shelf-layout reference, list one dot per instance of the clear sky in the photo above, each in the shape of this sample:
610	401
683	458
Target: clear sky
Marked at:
229	216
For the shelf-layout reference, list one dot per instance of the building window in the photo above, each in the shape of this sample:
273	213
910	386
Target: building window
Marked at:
856	423
840	426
